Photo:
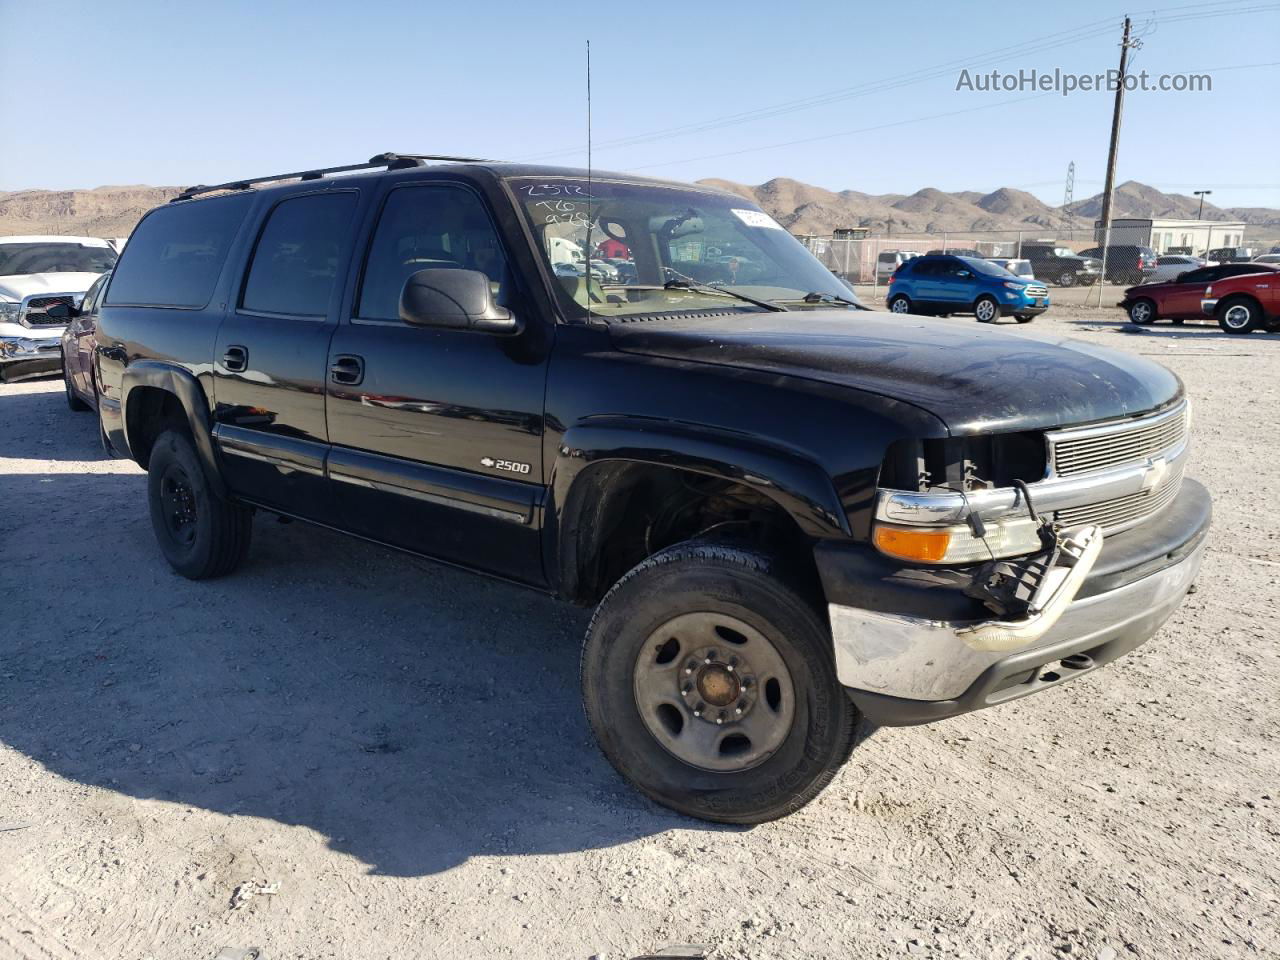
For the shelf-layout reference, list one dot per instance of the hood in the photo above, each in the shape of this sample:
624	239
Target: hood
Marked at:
974	378
17	286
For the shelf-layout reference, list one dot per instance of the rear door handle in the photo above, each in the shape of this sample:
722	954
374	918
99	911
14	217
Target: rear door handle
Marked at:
236	358
347	369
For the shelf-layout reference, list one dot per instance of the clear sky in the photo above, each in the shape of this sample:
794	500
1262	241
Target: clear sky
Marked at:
174	93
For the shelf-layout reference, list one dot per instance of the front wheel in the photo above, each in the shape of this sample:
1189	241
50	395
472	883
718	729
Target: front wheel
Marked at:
73	399
1067	278
1142	312
711	686
201	534
986	309
899	304
1240	315
1023	318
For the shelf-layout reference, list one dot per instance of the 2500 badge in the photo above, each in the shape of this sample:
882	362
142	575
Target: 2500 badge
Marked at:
510	466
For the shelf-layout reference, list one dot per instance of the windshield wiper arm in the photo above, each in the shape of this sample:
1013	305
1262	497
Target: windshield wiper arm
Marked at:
830	298
687	284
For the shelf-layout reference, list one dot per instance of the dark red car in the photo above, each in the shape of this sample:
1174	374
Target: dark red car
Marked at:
1241	296
77	348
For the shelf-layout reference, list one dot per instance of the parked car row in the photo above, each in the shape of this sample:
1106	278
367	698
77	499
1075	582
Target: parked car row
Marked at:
764	582
1242	297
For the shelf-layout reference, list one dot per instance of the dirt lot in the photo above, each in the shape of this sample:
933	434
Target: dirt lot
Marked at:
400	747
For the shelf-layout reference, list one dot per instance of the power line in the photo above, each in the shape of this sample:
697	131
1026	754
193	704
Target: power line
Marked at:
1036	45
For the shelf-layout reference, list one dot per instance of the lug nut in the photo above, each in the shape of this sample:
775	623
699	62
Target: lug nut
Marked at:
720	719
688	689
697	710
738	710
729	668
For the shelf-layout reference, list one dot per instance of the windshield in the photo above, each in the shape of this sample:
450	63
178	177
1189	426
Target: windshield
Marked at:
664	250
23	258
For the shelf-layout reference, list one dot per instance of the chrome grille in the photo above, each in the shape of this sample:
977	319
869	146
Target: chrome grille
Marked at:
1113	446
1034	290
1121	512
36	314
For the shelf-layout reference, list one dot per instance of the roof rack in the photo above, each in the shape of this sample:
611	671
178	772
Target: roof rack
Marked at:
391	161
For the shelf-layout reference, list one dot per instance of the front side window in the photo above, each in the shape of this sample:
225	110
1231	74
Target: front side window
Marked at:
685	250
177	252
90	301
423	228
17	259
296	262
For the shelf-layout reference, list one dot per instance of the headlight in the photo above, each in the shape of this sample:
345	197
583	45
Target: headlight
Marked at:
1014	286
957	543
9	312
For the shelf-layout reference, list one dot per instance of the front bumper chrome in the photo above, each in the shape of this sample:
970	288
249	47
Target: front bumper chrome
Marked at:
1209	306
904	657
13	349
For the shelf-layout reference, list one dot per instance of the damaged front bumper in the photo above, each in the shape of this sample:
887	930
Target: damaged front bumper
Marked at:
22	357
911	648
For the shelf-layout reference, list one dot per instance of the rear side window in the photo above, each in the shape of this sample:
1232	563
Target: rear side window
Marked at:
175	255
295	263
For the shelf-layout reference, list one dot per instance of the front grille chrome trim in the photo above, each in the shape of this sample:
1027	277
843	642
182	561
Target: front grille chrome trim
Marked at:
1103	446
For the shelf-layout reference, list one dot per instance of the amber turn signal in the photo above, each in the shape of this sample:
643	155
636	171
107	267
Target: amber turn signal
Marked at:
922	546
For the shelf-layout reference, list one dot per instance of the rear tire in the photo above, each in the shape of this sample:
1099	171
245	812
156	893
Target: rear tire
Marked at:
658	672
201	534
1023	319
1240	315
986	309
1067	278
900	304
1142	311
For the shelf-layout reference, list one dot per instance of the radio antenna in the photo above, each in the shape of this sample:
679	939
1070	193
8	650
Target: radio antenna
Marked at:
587	279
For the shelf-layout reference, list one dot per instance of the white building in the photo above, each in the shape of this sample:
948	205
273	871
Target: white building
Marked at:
1160	235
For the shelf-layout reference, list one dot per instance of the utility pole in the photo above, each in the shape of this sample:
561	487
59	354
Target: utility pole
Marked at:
1201	194
1109	188
1067	197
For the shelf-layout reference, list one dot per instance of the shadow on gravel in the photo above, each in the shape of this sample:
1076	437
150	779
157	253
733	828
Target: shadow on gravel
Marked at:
414	715
40	426
1199	331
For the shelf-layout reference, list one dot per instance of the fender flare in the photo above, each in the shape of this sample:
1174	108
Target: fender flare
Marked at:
796	483
181	382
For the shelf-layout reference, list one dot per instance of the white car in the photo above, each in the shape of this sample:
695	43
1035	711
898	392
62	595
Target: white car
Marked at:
35	273
890	260
1268	258
1170	265
1019	268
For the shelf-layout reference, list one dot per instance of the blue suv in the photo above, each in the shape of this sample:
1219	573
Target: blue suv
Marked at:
943	285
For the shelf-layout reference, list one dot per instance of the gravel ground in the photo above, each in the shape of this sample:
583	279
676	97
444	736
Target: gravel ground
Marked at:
400	747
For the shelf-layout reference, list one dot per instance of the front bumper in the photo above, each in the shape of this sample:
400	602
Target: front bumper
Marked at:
901	654
1208	306
24	356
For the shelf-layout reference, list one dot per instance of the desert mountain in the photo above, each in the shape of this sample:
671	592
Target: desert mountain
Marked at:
800	207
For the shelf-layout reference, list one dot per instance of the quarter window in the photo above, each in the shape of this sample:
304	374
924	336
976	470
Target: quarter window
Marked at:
176	253
295	264
423	228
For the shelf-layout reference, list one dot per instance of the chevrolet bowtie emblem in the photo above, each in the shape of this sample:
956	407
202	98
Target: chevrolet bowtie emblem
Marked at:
1157	467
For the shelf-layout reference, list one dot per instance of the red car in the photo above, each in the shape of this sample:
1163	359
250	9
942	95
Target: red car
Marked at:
1242	296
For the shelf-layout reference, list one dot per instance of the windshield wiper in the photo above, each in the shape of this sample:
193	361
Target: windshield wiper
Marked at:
687	284
830	298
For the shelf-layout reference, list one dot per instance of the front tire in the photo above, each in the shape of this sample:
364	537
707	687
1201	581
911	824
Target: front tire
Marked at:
1021	318
900	304
1240	315
201	534
1067	278
1142	312
73	399
986	309
710	685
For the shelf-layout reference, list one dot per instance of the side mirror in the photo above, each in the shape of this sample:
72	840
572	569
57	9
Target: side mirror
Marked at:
62	311
454	299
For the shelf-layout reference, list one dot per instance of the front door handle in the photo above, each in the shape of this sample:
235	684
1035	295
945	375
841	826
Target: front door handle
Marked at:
347	370
236	359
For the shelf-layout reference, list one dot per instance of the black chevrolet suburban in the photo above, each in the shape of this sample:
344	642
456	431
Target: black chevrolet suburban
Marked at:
793	529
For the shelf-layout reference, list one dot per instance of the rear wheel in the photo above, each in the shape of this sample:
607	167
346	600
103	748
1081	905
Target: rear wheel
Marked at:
1240	315
900	304
711	686
1067	278
201	534
1022	318
1142	312
986	309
